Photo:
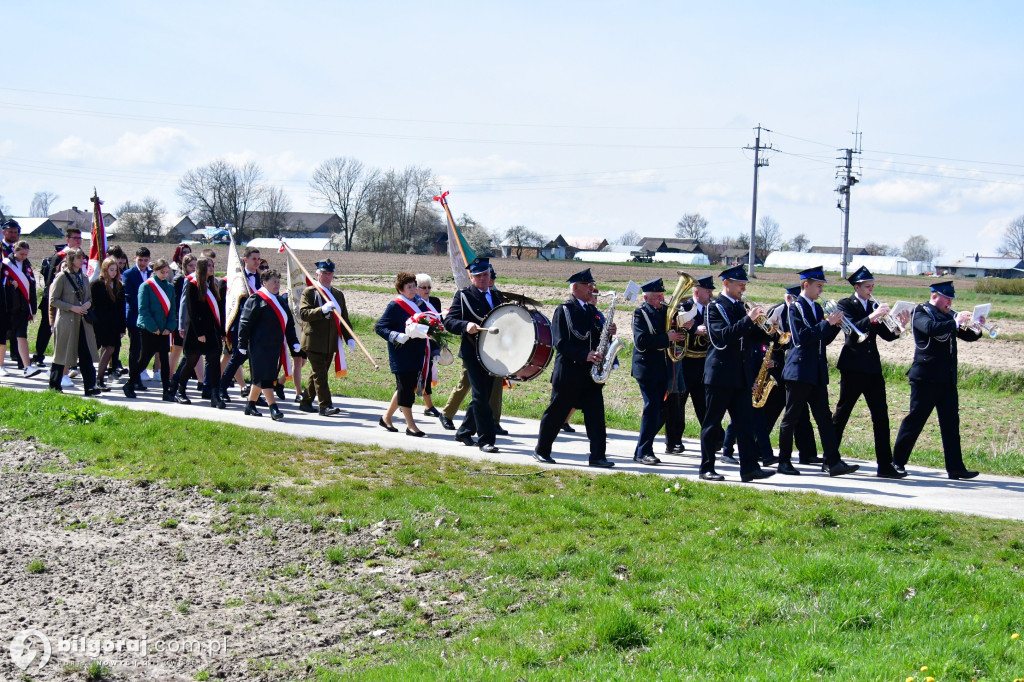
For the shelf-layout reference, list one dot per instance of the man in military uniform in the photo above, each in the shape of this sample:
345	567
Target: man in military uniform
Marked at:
323	337
731	330
860	368
469	309
933	379
652	368
576	330
691	368
806	375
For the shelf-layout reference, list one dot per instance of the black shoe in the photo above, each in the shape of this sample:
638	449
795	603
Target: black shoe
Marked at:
489	448
900	468
601	463
182	399
307	407
416	434
206	395
787	469
890	472
58	389
215	401
262	402
447	423
728	459
92	391
38	362
757	475
649	460
102	385
169	397
712	476
431	412
674	449
466	440
962	475
770	461
128	389
841	468
244	390
567	428
139	386
498	431
250	409
225	398
298	397
279	390
275	413
380	423
543	459
813	459
328	411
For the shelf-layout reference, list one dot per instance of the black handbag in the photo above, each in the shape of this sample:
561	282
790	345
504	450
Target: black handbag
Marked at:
89	315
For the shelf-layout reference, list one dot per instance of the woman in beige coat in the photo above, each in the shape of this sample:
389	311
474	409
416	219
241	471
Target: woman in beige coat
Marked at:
73	334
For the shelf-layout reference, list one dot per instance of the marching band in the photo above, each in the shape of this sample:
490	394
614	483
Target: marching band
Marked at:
722	353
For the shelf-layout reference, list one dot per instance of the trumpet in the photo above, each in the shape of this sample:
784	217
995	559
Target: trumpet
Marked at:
990	329
830	307
891	322
764	324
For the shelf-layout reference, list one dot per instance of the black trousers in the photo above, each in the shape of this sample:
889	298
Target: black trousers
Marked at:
479	417
674	419
800	397
872	386
86	364
236	361
188	364
653	415
768	415
149	345
735	401
134	345
575	390
925	397
693	374
45	332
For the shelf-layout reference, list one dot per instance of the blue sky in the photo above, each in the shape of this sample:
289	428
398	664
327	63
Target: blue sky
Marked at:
568	117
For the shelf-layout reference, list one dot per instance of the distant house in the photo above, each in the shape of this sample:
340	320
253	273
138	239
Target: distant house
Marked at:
737	256
982	266
173	228
586	243
80	219
851	251
662	245
39	228
557	249
300	224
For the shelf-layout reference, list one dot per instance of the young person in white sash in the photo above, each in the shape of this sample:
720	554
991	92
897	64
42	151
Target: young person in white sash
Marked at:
19	292
157	319
266	334
203	334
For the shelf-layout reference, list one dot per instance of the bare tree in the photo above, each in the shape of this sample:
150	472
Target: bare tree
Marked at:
344	186
270	221
767	238
1013	239
141	221
400	211
222	192
520	237
917	247
479	238
693	226
41	203
800	242
630	238
880	249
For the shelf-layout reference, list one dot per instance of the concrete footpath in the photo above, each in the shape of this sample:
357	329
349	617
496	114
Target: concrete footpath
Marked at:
988	495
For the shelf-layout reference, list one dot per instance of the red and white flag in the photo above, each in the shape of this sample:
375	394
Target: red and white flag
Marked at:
98	248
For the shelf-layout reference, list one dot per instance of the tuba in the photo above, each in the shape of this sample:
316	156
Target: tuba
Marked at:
608	347
676	350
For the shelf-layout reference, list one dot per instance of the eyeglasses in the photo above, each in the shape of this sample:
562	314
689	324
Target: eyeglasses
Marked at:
423	287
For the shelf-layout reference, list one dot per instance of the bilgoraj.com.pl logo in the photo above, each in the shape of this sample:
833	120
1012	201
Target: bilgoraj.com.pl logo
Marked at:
28	647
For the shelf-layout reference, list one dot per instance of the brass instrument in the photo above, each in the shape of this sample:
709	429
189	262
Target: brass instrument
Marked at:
764	383
990	329
675	349
764	324
830	307
608	347
891	322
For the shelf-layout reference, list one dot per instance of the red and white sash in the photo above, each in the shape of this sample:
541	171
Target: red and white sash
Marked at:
406	305
161	296
20	279
340	365
282	318
433	365
211	300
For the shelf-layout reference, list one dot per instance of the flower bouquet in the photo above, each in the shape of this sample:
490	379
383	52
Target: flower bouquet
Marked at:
428	326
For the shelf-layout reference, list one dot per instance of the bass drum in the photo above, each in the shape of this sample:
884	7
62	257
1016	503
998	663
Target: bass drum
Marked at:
519	347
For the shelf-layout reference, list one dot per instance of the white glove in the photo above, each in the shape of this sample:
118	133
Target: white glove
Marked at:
296	347
417	331
326	308
401	338
243	351
351	344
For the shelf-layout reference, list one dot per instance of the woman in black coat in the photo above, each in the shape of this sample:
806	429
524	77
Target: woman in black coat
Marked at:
187	267
204	331
108	305
424	287
406	355
262	338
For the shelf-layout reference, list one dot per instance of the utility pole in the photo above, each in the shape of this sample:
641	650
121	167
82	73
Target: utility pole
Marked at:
758	162
847	180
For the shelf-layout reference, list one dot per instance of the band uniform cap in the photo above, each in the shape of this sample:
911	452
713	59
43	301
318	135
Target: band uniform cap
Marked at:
706	282
583	276
11	222
738	273
654	285
325	265
794	290
479	266
862	275
816	274
944	288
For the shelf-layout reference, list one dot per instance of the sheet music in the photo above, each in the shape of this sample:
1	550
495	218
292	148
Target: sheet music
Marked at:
687	315
981	311
900	307
631	292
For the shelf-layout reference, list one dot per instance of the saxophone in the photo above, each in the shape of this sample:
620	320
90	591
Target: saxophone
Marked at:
608	347
764	383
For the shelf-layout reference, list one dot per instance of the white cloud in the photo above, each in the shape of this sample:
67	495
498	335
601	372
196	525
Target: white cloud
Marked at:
154	148
903	195
7	147
714	190
793	193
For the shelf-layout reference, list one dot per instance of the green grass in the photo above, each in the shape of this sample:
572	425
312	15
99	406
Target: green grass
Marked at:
575	576
36	566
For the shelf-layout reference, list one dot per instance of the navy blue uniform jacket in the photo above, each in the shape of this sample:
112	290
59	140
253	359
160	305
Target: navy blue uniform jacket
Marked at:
806	361
731	334
935	335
